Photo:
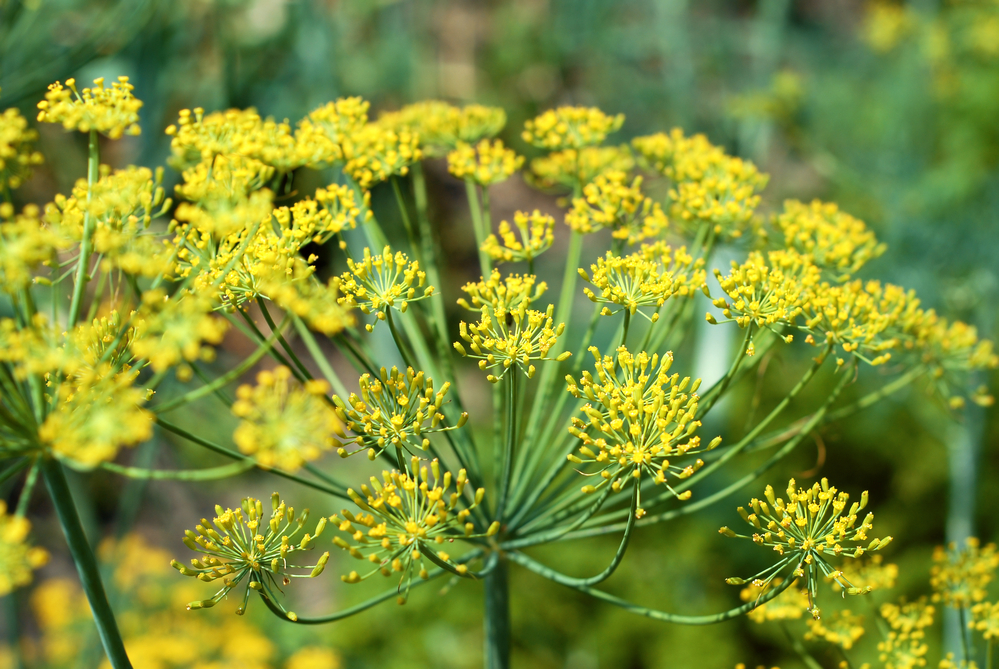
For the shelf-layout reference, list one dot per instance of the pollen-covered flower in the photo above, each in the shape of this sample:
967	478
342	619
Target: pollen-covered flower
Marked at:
27	243
985	619
112	111
908	617
611	202
640	420
843	628
813	523
788	605
18	558
396	408
832	238
95	417
960	576
507	336
381	282
646	278
537	233
487	163
281	425
242	545
375	153
570	128
500	295
574	168
175	329
325	129
406	517
17	155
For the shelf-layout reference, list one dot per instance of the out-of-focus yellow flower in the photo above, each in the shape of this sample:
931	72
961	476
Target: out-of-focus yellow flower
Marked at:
17	155
909	618
904	651
985	619
323	132
17	557
442	126
843	628
112	111
314	658
887	24
574	168
27	243
175	329
788	605
487	163
570	128
871	572
960	576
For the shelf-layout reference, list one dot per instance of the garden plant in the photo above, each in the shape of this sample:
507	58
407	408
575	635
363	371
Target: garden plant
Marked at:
120	294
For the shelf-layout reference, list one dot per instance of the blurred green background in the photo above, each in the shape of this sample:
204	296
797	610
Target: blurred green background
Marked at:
889	109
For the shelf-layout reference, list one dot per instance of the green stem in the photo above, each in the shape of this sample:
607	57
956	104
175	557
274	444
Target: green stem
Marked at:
654	614
408	224
85	562
302	369
717	390
627	324
799	648
29	487
209	474
496	624
508	443
485	262
83	262
407	357
317	354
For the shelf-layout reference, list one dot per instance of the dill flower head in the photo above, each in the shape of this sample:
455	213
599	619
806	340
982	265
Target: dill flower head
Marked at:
175	329
640	420
442	126
985	619
477	122
284	426
374	153
325	129
92	342
646	278
788	605
570	128
766	290
869	573
501	295
724	198
396	408
509	333
905	651
112	111
224	178
27	243
487	163
813	523
406	517
537	234
17	557
832	238
220	215
574	168
843	628
952	348
37	347
384	281
318	304
673	154
960	576
908	618
343	210
243	545
95	417
17	155
611	202
855	316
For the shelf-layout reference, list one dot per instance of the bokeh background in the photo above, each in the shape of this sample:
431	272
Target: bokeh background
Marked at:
889	109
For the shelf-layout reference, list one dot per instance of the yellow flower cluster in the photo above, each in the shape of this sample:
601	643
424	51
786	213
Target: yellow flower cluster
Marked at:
112	111
673	154
640	419
900	651
611	202
381	282
766	290
243	545
282	426
904	647
394	409
17	557
646	278
960	576
985	619
574	168
17	156
570	128
813	523
442	126
374	153
487	163
509	333
843	628
326	129
537	234
789	605
27	243
406	517
871	573
833	239
909	618
174	329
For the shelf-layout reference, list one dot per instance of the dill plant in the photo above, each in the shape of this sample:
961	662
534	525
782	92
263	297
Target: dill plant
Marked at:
113	289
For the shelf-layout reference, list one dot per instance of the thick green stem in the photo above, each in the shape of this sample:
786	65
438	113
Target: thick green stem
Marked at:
86	564
83	262
496	626
508	443
471	190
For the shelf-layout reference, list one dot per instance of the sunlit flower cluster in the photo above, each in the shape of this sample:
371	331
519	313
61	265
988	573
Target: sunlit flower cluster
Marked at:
18	558
610	201
282	425
570	128
394	409
574	168
442	126
111	111
640	420
407	517
486	163
375	153
537	234
17	153
499	295
646	278
960	575
381	282
326	128
843	628
175	329
245	546
27	243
